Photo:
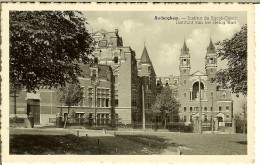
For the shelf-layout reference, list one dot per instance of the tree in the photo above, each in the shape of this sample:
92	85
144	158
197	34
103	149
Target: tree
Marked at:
234	50
70	95
166	104
45	47
14	90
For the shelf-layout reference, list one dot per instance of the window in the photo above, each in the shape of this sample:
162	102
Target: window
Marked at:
116	60
190	118
211	108
149	68
227	116
107	102
211	71
116	102
116	79
205	108
190	109
184	82
96	60
219	108
167	82
184	109
185	62
90	102
184	118
184	71
158	119
211	94
227	107
185	94
211	60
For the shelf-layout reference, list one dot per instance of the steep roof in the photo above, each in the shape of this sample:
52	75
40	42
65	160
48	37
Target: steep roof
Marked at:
211	47
145	57
184	49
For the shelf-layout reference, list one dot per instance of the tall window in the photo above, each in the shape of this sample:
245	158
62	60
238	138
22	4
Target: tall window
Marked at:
184	118
219	108
184	82
184	109
185	94
103	97
116	98
190	109
90	97
205	108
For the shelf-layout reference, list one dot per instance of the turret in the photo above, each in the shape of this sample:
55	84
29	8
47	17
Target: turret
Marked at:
211	61
185	60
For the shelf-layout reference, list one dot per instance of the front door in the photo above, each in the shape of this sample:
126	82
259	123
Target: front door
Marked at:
33	106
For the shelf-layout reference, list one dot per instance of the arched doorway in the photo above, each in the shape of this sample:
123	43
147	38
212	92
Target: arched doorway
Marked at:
195	91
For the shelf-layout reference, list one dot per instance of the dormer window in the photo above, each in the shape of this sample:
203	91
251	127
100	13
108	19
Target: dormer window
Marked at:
149	68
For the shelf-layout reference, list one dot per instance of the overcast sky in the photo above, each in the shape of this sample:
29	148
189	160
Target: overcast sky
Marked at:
164	38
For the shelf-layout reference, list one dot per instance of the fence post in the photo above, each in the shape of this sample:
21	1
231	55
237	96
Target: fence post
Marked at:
115	149
216	123
234	125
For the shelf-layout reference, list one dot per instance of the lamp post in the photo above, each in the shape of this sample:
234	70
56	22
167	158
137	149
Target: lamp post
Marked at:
143	108
212	122
95	83
200	110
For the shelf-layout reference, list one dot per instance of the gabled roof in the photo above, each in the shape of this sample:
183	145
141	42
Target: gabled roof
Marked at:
198	73
145	57
100	31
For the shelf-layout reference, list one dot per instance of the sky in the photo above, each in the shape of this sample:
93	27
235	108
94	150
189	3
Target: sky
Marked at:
164	38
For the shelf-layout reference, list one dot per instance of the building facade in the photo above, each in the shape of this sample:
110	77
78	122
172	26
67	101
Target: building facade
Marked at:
186	89
97	82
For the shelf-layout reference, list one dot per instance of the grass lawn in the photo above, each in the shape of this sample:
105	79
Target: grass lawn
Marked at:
131	144
71	144
207	144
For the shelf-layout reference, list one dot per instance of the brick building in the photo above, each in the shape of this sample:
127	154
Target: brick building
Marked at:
186	89
44	105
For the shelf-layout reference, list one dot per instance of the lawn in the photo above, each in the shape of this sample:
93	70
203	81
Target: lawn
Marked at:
71	144
207	144
131	144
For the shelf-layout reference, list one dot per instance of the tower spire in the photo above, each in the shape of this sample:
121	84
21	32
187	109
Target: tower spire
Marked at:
184	49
